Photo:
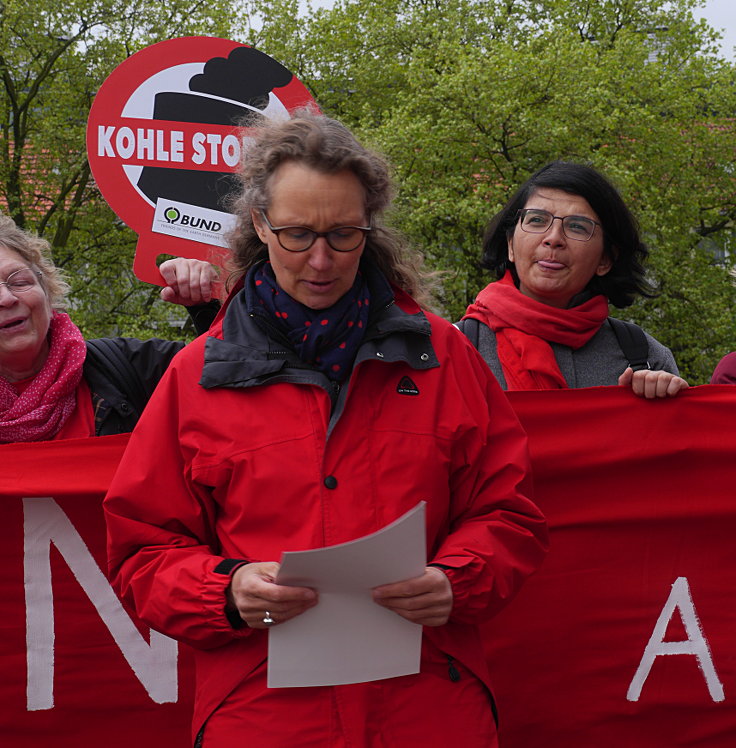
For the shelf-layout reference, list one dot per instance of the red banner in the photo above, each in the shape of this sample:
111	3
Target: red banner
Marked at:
77	670
624	639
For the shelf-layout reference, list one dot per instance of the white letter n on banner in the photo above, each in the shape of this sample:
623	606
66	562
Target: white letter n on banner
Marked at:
695	644
155	665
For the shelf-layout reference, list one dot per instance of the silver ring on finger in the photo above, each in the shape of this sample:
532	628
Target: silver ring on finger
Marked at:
267	620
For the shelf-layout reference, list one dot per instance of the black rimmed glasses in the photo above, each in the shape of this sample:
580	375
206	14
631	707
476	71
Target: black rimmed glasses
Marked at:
301	238
537	221
21	281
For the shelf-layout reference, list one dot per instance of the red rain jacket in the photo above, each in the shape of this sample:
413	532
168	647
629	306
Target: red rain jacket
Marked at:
234	467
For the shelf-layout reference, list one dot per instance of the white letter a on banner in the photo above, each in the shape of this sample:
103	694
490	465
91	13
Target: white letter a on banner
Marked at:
695	645
154	664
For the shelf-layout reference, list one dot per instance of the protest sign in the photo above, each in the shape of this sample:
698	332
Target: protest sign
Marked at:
166	132
626	637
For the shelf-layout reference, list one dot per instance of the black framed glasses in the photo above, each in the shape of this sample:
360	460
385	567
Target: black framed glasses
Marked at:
537	221
301	238
21	281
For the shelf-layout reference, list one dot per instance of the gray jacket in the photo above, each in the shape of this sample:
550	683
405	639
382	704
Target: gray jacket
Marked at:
598	363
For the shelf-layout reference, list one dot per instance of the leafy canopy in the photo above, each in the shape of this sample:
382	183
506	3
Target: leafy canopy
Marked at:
53	58
466	97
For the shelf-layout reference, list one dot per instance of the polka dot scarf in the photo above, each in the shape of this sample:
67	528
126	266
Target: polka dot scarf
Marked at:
39	412
328	339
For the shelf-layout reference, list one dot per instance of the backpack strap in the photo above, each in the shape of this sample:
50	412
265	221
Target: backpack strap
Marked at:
633	343
471	329
107	357
631	339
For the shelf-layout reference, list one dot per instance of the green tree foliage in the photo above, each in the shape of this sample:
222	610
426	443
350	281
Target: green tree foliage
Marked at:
468	98
53	58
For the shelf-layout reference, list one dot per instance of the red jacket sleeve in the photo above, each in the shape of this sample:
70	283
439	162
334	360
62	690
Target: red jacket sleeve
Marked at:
163	555
498	536
725	371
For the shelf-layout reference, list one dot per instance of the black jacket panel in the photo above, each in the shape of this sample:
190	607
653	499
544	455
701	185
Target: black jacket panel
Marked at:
117	405
122	373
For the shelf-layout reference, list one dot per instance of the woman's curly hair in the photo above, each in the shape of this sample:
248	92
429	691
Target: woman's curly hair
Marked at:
327	146
36	252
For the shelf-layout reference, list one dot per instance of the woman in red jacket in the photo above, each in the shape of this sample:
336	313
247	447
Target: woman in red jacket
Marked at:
324	405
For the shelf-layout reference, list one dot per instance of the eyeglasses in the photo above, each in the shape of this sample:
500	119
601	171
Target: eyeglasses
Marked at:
21	281
536	221
300	238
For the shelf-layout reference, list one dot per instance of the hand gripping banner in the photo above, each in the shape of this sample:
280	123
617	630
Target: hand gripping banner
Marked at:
624	639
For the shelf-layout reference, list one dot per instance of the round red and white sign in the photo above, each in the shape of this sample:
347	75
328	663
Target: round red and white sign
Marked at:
165	134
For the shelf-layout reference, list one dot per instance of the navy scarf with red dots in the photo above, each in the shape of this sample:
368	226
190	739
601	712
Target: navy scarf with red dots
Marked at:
327	339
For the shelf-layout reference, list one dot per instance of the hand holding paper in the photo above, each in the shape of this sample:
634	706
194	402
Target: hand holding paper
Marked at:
426	600
348	638
254	593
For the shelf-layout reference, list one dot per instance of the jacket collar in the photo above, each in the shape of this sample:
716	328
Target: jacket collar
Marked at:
247	354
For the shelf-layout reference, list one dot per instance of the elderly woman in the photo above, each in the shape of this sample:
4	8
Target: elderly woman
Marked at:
52	384
323	406
563	247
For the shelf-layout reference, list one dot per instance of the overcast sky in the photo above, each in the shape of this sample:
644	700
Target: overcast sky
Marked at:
721	14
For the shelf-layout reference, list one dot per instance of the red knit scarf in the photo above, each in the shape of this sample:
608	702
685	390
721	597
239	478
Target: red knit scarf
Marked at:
524	329
39	412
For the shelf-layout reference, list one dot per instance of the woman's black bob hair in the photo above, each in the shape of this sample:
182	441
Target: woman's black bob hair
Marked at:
626	278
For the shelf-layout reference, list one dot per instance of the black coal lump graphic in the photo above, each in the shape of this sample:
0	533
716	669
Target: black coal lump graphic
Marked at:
245	78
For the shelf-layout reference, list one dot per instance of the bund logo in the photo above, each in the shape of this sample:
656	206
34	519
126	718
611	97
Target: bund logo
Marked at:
172	215
407	387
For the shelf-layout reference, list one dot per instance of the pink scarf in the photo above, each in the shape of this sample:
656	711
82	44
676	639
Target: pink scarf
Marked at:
39	412
524	329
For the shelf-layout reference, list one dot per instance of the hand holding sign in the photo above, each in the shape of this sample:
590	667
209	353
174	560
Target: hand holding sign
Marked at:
165	134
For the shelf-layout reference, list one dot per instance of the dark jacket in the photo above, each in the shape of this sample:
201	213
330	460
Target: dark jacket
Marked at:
119	390
123	372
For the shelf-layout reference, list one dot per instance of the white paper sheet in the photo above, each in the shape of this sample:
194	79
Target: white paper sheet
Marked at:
346	637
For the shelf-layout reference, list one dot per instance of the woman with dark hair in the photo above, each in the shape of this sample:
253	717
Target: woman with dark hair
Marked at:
562	249
325	404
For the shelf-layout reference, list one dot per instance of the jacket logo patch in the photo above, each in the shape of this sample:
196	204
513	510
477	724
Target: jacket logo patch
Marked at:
407	387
